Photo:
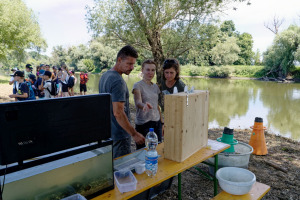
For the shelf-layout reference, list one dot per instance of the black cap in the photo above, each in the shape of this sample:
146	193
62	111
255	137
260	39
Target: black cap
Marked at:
28	66
19	73
258	119
54	67
47	73
228	131
32	77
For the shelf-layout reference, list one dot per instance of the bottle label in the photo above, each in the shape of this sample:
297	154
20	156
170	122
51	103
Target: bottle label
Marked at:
151	163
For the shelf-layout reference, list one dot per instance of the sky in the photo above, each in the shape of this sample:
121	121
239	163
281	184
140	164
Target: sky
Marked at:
63	22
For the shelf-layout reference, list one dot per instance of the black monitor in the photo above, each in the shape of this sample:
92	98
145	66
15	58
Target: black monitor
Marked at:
35	128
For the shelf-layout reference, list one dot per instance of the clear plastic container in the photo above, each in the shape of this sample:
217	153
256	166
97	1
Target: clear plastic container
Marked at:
75	197
125	180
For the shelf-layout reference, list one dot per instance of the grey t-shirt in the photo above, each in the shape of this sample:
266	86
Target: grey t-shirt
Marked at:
149	93
113	83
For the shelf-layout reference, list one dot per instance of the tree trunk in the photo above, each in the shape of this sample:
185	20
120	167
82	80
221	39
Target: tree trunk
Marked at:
158	55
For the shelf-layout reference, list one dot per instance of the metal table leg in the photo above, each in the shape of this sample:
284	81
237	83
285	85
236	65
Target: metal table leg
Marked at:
179	186
215	178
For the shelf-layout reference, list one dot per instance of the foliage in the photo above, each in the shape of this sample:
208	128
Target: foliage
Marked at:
247	71
256	58
218	72
281	56
19	30
228	27
225	53
103	56
296	72
166	28
245	43
86	65
59	56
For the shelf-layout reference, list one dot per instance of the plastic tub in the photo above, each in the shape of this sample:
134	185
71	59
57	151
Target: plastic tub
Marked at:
140	168
236	181
125	180
75	197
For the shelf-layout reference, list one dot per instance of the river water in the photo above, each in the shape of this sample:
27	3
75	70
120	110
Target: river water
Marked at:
236	103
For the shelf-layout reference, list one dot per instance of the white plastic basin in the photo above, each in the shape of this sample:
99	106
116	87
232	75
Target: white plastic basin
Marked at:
236	181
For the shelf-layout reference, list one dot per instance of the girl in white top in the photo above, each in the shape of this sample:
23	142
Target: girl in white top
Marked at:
146	96
64	80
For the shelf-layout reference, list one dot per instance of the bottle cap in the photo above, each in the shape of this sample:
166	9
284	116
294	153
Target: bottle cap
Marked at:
151	130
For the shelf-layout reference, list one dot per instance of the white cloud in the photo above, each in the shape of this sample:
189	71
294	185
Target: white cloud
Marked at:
251	18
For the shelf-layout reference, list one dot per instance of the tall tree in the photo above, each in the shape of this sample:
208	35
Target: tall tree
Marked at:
19	29
225	53
164	27
59	55
228	27
280	57
245	42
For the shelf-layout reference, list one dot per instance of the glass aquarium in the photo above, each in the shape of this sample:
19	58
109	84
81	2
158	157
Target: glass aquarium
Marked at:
89	174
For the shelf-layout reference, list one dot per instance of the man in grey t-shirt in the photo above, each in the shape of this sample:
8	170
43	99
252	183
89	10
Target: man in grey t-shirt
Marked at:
113	83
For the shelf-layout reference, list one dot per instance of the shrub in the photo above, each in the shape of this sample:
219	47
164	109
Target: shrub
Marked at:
218	72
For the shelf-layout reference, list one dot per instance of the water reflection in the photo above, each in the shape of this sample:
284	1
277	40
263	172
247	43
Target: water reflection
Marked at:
235	103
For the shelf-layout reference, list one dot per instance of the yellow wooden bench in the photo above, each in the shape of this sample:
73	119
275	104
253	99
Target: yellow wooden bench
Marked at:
257	192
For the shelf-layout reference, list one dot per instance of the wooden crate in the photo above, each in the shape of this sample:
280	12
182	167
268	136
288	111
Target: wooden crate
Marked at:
186	124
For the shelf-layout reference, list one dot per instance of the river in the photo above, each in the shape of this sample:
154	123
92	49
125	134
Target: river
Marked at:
236	103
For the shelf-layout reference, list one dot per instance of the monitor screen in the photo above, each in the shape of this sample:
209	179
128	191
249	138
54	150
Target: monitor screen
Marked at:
34	128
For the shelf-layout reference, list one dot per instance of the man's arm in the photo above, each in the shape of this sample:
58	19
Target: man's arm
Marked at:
24	95
118	111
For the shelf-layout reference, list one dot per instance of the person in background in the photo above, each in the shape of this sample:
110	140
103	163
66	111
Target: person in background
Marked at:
55	77
171	76
64	80
22	87
171	79
38	84
113	83
43	67
13	82
48	68
59	76
32	80
46	84
146	96
12	79
28	70
71	82
37	70
83	80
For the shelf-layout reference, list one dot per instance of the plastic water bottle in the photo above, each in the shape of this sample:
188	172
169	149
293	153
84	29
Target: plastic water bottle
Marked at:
151	154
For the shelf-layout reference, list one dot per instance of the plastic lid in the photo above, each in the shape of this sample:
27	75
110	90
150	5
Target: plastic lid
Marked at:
228	131
151	130
258	119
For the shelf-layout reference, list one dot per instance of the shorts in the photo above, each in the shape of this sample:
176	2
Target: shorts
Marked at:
121	147
64	87
82	87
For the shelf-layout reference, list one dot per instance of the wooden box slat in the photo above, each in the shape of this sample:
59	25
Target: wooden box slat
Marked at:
186	124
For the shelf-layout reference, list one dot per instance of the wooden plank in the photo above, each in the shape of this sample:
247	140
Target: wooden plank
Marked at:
166	169
186	124
257	192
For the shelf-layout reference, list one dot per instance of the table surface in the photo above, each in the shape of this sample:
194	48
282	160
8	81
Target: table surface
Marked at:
166	169
257	192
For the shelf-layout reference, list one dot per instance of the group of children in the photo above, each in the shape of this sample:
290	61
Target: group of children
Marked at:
46	83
